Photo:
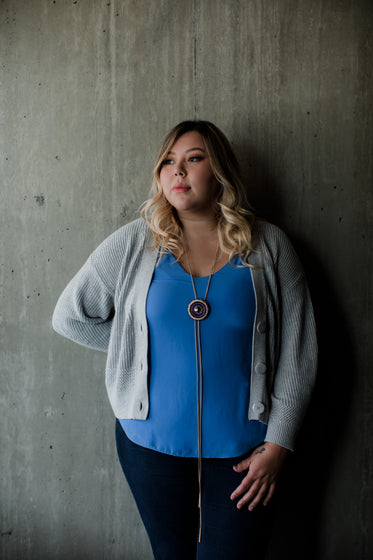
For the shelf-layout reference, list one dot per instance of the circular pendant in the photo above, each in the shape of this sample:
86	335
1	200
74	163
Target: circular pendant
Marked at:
198	309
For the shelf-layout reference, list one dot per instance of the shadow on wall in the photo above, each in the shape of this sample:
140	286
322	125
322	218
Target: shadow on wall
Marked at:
262	189
301	493
301	497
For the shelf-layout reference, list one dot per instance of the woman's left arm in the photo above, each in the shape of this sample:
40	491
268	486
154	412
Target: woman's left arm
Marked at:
295	372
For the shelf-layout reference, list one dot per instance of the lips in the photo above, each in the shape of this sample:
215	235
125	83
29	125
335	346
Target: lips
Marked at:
180	187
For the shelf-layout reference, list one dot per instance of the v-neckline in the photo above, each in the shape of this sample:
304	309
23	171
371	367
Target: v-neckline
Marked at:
197	277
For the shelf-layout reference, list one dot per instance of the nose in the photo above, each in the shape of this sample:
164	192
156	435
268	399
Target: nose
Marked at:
179	172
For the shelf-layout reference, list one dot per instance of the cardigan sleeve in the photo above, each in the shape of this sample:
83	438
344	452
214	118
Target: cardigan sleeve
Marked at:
296	367
296	362
85	309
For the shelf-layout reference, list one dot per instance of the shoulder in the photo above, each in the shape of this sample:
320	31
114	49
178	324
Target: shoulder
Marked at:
269	233
129	237
121	246
132	230
276	249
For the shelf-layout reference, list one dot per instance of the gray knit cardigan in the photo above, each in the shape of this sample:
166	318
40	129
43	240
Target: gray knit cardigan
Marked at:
103	307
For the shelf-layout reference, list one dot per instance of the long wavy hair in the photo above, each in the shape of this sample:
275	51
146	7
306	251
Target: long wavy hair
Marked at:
234	215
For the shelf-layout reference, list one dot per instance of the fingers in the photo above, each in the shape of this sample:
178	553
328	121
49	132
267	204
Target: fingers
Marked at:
253	496
259	491
262	469
243	487
257	486
243	465
271	491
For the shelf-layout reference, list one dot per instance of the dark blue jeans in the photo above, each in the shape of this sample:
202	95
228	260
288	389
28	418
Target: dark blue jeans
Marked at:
165	489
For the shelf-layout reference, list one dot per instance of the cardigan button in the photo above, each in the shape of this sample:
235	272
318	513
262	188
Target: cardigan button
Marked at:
260	368
258	407
261	327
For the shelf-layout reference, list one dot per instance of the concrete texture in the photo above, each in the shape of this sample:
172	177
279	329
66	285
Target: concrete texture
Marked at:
88	90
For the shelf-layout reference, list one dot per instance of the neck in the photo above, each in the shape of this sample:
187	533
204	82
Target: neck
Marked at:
198	226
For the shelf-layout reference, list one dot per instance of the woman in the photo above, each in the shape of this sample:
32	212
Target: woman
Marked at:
208	324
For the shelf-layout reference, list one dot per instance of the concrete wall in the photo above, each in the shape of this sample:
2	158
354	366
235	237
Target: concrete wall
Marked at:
89	87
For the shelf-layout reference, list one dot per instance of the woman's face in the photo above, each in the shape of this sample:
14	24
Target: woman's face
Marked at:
187	179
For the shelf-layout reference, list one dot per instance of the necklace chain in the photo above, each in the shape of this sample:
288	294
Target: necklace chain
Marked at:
198	309
211	272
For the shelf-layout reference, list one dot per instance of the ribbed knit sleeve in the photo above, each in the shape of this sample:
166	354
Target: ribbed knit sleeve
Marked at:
85	309
285	345
296	366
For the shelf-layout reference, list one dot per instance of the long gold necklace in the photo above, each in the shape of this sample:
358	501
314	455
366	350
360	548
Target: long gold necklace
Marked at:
198	309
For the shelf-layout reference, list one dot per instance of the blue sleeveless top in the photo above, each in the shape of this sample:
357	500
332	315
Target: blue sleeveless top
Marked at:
226	337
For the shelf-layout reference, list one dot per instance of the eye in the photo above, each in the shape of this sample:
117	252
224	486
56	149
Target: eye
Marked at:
196	158
167	162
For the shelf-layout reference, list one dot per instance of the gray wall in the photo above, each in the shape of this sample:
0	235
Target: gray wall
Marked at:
89	88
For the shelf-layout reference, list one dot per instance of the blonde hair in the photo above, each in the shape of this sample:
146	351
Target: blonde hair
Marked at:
233	214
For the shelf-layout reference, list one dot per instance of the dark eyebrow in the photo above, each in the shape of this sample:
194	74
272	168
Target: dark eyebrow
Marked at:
191	150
